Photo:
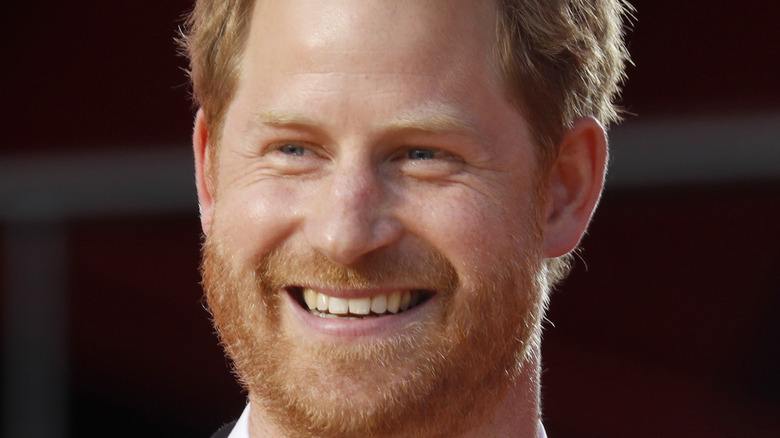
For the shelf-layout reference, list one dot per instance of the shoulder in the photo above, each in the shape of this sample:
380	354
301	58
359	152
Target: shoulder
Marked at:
225	430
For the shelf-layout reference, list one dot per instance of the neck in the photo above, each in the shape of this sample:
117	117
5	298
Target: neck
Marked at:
516	414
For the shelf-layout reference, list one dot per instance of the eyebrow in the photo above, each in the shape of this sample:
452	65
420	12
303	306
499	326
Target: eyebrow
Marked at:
437	118
428	117
281	119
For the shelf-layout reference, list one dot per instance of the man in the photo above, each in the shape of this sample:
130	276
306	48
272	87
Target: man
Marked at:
388	191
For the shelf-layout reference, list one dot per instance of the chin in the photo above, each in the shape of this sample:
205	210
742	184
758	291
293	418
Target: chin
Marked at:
454	360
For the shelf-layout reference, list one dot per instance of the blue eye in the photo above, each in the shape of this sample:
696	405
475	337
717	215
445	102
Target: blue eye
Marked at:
421	154
293	149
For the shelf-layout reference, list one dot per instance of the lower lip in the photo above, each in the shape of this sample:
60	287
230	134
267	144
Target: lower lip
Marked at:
370	327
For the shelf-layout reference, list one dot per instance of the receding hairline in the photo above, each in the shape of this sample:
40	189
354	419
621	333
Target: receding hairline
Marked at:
514	60
446	121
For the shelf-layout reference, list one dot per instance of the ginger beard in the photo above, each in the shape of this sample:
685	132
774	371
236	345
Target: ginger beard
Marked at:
431	379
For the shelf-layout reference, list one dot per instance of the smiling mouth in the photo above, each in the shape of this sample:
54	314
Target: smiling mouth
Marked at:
390	303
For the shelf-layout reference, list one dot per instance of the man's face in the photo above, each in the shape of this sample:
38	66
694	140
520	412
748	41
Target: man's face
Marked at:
370	163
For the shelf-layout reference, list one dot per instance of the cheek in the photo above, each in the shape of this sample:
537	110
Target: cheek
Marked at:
254	219
471	230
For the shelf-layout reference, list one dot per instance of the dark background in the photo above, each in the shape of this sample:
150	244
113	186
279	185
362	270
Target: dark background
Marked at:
667	327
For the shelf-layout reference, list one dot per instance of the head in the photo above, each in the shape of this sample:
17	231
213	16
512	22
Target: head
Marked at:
560	61
354	152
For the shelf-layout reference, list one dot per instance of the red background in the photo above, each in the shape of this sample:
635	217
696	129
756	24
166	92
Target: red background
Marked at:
668	328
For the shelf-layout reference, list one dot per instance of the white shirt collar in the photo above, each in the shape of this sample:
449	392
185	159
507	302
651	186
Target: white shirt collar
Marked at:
241	429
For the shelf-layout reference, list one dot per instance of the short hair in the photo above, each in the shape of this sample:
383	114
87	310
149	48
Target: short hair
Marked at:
214	37
562	59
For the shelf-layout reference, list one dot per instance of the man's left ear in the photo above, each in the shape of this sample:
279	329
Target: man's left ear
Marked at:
575	182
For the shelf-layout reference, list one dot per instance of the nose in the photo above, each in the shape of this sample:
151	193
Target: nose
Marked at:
352	215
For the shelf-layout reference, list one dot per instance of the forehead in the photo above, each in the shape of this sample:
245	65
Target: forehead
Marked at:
360	66
441	37
388	23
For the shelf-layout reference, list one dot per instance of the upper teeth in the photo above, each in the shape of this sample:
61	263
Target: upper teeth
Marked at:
392	302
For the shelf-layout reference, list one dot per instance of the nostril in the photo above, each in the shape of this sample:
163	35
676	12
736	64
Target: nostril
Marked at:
344	224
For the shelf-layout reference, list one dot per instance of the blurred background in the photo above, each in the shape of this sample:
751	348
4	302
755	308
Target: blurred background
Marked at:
667	327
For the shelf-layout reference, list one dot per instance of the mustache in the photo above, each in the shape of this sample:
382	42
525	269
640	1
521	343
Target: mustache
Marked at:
427	269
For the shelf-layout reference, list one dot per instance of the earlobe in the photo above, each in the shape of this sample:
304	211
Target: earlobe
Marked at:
575	183
203	180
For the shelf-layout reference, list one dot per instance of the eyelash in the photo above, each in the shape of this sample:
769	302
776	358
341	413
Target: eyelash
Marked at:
295	149
286	149
427	153
416	153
